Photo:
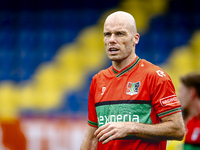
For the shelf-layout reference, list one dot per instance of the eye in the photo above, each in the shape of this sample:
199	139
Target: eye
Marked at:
119	33
107	34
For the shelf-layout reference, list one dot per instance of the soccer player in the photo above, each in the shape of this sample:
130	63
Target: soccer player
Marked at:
189	95
132	105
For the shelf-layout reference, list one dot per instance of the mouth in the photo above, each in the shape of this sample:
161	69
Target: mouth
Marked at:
113	50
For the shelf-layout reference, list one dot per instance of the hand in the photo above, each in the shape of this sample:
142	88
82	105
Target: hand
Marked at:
111	131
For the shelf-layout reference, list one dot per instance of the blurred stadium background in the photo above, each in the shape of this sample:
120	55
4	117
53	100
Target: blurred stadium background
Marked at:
49	51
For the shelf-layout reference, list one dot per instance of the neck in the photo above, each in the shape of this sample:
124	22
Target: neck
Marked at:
119	65
197	105
194	108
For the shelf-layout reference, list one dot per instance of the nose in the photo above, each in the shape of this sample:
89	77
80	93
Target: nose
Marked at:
112	39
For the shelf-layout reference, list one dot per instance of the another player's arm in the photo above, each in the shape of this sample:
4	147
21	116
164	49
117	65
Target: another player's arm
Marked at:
171	128
90	141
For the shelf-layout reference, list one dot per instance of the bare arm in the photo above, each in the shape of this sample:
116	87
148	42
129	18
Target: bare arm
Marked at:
171	128
90	141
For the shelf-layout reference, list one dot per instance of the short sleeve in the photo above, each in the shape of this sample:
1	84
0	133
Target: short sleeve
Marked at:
164	99
92	116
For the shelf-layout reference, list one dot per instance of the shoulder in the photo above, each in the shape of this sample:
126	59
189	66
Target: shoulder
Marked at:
154	72
149	66
103	73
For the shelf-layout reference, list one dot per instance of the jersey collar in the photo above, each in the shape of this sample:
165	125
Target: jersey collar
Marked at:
126	69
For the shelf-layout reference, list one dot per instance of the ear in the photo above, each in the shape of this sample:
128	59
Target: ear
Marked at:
136	38
193	92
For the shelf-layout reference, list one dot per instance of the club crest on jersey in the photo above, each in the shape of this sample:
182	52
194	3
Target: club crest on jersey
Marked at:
132	88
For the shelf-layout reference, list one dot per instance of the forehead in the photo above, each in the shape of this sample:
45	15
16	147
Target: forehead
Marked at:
116	24
183	88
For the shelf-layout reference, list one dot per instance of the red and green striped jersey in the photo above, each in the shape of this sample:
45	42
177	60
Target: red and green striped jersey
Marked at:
192	138
141	92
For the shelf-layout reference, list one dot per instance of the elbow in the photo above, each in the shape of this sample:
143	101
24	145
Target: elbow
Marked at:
181	134
180	130
180	137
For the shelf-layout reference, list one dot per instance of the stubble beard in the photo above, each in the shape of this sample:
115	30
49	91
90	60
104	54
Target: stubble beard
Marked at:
118	57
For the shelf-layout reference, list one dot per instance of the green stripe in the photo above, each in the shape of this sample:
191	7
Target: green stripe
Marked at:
188	146
129	68
115	72
168	112
92	123
126	112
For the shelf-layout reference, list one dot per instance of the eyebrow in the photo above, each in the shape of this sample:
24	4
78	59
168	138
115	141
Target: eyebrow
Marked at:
122	31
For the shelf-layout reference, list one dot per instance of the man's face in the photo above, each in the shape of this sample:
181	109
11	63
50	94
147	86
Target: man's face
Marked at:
119	39
184	96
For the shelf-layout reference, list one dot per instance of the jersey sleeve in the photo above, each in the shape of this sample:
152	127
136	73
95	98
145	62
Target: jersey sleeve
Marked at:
164	99
92	116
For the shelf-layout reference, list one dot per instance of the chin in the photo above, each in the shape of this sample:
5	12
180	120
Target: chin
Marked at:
115	58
